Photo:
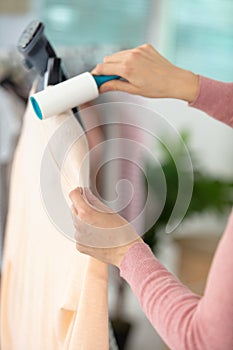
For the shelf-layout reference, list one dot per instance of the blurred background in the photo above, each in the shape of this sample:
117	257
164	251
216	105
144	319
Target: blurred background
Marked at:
196	35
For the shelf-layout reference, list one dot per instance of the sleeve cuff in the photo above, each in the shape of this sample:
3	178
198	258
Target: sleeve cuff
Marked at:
215	98
136	262
195	101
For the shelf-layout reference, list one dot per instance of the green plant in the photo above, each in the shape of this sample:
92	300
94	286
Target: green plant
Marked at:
209	193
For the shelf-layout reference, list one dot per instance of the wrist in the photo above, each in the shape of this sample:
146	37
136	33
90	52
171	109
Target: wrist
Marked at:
122	252
187	85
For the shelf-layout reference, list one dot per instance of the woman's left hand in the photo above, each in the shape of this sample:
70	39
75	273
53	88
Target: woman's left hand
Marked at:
100	232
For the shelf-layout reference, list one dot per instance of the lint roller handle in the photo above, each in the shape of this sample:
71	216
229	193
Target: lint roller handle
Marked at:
101	79
68	94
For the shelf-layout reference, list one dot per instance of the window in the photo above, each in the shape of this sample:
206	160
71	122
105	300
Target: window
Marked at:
201	36
96	22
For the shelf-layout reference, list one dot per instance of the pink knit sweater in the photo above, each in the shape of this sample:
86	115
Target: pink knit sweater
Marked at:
184	320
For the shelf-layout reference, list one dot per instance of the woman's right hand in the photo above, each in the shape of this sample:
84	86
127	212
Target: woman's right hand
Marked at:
147	73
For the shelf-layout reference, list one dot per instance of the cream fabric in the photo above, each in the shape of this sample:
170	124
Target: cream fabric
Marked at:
52	296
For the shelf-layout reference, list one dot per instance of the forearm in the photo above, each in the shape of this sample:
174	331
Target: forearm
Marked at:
184	85
184	320
168	304
216	99
211	96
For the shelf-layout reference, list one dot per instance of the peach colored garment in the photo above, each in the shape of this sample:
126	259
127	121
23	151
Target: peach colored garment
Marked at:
53	297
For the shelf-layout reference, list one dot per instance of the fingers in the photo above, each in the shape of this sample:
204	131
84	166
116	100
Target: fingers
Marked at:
143	50
116	57
121	62
95	229
119	69
79	203
84	249
109	69
85	204
117	85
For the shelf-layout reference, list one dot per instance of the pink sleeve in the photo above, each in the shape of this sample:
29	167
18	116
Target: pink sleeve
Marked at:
184	320
216	99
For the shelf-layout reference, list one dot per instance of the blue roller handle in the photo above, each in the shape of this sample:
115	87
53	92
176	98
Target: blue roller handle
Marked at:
101	79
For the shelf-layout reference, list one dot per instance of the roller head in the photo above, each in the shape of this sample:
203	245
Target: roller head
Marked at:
66	95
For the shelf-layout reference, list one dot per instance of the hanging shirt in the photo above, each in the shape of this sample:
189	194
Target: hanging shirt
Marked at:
52	296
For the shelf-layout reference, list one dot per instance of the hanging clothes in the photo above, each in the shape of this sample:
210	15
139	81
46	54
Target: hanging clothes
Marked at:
11	113
52	296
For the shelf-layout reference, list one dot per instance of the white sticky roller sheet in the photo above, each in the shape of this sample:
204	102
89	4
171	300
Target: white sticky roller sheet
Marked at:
66	95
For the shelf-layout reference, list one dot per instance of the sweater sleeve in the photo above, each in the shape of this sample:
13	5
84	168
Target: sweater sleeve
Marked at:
216	99
184	320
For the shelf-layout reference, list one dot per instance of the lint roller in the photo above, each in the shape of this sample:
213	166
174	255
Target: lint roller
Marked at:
68	94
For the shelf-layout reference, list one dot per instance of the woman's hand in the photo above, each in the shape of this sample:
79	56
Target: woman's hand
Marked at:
148	74
100	232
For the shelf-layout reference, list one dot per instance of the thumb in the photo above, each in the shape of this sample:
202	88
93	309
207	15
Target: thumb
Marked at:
117	85
78	200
